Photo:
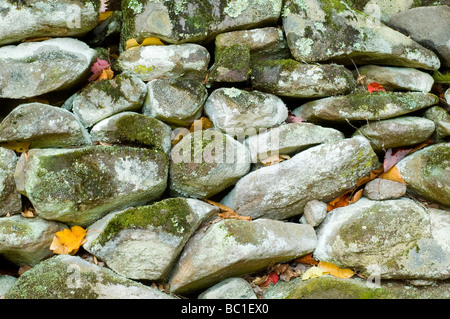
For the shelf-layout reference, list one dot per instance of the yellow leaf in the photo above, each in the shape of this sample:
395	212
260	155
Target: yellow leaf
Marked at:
107	74
335	271
151	41
104	15
393	174
131	43
19	147
68	241
313	272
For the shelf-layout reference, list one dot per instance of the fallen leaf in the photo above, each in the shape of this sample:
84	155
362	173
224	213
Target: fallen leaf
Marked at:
19	147
202	123
361	79
391	158
307	259
356	196
313	272
373	174
29	213
132	43
270	278
227	212
340	201
374	86
68	241
274	159
36	39
104	15
98	68
335	271
393	174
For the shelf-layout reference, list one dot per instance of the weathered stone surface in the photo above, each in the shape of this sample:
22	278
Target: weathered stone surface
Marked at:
206	162
395	78
101	99
315	212
133	129
364	106
289	139
34	68
50	18
397	132
426	172
434	34
381	189
42	126
322	172
10	200
232	247
26	241
230	288
391	239
79	186
324	31
71	277
6	282
294	79
236	111
177	102
441	119
144	242
329	287
157	61
194	21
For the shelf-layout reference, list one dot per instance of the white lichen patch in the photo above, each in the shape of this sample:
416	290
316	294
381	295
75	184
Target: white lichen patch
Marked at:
235	8
304	45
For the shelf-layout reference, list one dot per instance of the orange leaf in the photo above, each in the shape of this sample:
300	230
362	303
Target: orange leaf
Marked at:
335	271
104	15
393	174
307	259
356	196
227	212
340	201
374	86
68	241
202	123
373	174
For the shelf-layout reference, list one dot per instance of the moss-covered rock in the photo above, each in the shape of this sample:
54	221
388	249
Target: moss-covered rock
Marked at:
426	173
291	78
101	99
206	162
42	126
144	242
79	186
10	199
391	239
71	277
26	241
364	106
233	247
319	31
133	129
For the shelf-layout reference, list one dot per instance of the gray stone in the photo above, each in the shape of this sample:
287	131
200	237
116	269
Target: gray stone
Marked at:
238	112
324	31
26	241
71	277
194	21
391	239
429	26
289	139
395	78
426	172
79	186
101	99
441	119
6	282
322	172
364	106
291	78
133	129
50	18
315	212
34	68
43	126
10	199
397	132
206	162
178	102
230	288
381	189
233	247
144	242
165	61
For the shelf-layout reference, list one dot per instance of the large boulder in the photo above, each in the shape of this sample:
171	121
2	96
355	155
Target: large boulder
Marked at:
34	68
320	31
322	172
79	186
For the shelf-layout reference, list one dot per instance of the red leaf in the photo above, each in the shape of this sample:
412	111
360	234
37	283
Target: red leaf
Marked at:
391	158
294	119
374	86
271	278
97	69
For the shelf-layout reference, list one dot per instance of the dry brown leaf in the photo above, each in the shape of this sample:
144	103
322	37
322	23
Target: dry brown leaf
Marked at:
393	174
227	212
36	39
23	269
307	259
274	159
373	174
